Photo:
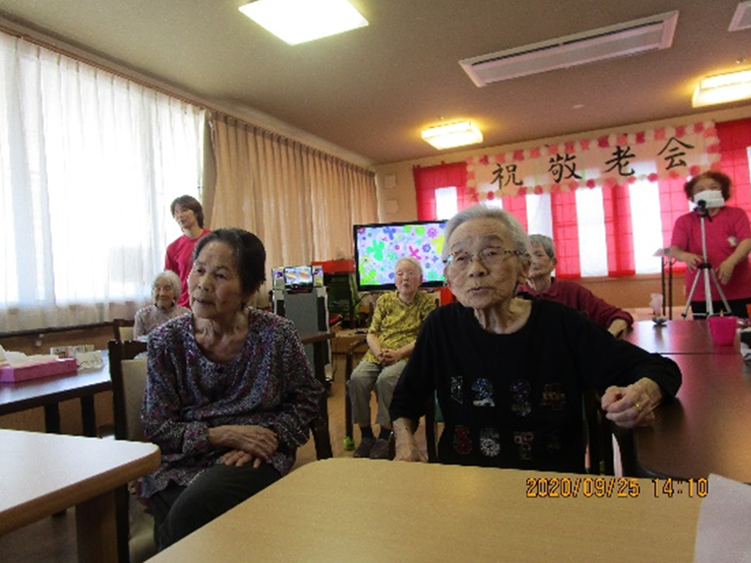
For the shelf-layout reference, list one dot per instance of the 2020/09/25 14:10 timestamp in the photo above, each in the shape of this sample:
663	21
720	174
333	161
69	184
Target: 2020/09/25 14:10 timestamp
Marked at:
613	487
681	487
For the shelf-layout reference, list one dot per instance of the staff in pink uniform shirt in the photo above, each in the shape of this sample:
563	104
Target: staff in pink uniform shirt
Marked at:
728	237
188	213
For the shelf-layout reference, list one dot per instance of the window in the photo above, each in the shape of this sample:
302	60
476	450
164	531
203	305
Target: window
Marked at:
89	163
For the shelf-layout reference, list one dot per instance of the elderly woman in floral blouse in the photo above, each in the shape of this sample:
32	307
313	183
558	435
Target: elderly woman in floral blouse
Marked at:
229	396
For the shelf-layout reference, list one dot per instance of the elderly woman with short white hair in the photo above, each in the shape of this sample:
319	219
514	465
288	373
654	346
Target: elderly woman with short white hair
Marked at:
509	374
164	292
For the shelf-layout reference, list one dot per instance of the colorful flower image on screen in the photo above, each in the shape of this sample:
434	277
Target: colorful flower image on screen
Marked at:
379	247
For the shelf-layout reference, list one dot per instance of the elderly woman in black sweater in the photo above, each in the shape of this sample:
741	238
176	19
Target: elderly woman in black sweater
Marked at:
509	374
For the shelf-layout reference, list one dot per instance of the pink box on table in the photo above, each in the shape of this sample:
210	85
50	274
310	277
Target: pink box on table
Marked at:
35	371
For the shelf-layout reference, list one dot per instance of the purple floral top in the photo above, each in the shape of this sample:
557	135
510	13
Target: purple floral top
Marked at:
270	383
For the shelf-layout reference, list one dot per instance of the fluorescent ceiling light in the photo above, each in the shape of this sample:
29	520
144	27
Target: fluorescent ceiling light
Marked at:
722	89
452	135
298	21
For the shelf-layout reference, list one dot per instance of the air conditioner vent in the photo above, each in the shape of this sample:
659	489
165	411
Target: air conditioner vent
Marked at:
742	17
630	38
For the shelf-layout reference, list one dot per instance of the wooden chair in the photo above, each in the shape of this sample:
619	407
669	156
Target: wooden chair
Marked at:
600	435
135	525
123	329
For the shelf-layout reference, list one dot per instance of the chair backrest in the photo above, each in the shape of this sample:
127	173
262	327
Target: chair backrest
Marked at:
123	329
128	375
135	541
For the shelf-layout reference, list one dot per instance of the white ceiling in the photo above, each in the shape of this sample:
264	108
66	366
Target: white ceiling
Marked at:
371	90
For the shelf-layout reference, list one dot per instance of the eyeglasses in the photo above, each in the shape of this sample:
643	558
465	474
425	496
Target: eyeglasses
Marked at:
490	257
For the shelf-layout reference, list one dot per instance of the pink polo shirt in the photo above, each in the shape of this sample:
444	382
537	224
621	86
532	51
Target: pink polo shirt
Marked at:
179	259
725	231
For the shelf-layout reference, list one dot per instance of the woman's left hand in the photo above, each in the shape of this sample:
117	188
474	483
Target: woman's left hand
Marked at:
725	271
632	406
237	458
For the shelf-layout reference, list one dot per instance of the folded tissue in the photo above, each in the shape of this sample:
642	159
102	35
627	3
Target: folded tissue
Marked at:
722	533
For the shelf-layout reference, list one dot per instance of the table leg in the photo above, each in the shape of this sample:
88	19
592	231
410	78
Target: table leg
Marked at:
52	418
96	529
88	416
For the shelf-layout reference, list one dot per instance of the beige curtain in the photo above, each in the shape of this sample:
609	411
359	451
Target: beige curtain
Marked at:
301	202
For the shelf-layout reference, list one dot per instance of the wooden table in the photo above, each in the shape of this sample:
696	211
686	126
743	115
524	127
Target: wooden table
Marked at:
706	430
48	392
42	474
378	511
677	337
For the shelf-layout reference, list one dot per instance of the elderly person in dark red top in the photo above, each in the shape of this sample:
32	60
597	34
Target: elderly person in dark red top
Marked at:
229	396
542	285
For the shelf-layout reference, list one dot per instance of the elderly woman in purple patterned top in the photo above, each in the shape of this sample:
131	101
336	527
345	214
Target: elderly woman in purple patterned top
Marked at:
229	396
164	293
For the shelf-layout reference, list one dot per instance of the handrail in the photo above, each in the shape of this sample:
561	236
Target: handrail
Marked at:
47	330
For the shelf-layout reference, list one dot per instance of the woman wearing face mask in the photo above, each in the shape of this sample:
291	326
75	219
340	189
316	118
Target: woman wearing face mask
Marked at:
728	238
164	292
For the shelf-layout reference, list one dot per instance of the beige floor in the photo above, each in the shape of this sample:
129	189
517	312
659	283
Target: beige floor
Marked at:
53	539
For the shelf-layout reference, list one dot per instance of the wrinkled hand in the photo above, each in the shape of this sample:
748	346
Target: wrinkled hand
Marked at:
632	406
246	443
724	272
237	458
692	260
388	357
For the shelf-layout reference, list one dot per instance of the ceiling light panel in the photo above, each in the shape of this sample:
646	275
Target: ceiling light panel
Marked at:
722	89
452	135
299	21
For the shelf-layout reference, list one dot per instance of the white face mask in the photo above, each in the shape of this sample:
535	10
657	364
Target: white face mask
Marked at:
711	198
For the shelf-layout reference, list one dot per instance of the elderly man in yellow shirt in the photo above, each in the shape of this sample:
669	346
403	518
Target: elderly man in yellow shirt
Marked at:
396	321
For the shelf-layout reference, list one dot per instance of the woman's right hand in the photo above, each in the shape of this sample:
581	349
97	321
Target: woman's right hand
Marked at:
256	442
691	260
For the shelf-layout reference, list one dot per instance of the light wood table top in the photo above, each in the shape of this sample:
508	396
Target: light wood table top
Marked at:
706	429
41	474
377	511
677	337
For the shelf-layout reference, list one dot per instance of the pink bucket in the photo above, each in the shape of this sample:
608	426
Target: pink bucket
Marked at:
723	330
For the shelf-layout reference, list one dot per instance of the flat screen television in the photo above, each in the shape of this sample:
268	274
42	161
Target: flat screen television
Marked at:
378	247
298	278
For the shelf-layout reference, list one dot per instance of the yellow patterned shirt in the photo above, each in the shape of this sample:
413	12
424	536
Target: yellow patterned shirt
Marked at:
397	323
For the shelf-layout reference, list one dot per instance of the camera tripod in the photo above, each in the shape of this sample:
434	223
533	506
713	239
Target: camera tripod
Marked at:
706	270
